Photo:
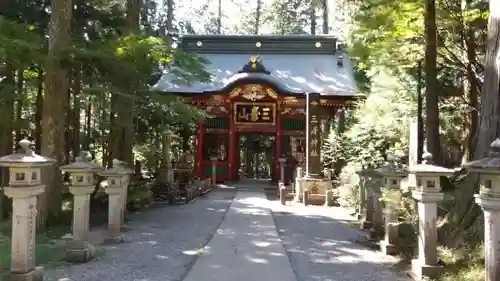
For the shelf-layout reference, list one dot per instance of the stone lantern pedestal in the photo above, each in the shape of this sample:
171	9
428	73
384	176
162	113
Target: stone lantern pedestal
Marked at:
282	162
114	190
368	207
125	183
24	187
298	188
427	194
489	200
393	174
214	159
82	185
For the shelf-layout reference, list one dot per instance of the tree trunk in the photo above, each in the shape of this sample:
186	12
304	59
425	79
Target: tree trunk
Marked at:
19	104
471	87
55	100
257	17
39	110
465	215
431	83
324	4
88	123
170	15
219	17
77	91
312	16
6	127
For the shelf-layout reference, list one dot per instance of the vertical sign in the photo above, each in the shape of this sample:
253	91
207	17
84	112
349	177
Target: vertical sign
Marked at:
314	136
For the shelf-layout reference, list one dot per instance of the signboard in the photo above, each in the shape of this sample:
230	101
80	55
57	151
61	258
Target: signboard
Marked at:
255	113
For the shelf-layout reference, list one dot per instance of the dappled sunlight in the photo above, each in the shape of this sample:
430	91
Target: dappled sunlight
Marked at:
257	260
147	242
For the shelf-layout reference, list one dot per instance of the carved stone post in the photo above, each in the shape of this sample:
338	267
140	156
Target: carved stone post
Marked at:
298	186
282	161
374	184
427	194
393	173
489	200
24	187
282	193
214	158
125	182
114	177
361	208
82	174
367	194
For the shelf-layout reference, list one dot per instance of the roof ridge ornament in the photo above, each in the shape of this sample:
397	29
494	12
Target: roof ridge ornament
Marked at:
254	66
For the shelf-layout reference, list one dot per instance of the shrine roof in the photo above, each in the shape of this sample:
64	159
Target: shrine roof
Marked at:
294	64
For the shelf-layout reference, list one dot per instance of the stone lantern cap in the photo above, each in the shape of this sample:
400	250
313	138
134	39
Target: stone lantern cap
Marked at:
117	170
282	159
489	164
427	168
119	163
26	158
393	168
82	164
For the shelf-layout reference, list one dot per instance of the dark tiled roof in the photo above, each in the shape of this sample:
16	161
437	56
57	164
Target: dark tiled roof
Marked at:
293	64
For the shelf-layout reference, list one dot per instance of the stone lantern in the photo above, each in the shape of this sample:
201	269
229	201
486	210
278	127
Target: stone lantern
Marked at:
125	182
214	159
489	200
24	187
82	173
427	194
393	173
115	178
368	209
282	161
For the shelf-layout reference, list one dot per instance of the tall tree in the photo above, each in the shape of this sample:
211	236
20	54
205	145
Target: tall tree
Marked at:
324	5
258	11
431	82
54	105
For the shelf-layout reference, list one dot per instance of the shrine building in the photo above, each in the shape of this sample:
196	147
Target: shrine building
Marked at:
256	99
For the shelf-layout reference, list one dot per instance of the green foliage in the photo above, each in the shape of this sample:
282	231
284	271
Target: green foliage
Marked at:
19	43
139	196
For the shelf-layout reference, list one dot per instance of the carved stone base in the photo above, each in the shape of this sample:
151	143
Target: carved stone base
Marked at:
388	249
419	270
80	254
34	275
114	240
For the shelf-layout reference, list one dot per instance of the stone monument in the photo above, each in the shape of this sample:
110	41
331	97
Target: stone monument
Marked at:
393	173
489	200
82	173
114	189
427	194
24	187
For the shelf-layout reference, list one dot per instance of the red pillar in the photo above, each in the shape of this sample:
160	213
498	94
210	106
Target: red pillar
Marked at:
232	146
279	133
199	148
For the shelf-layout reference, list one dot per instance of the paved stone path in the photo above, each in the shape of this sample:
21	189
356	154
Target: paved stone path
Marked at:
249	239
246	246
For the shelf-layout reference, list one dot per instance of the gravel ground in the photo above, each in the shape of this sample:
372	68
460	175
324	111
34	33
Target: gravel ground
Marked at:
321	246
162	244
